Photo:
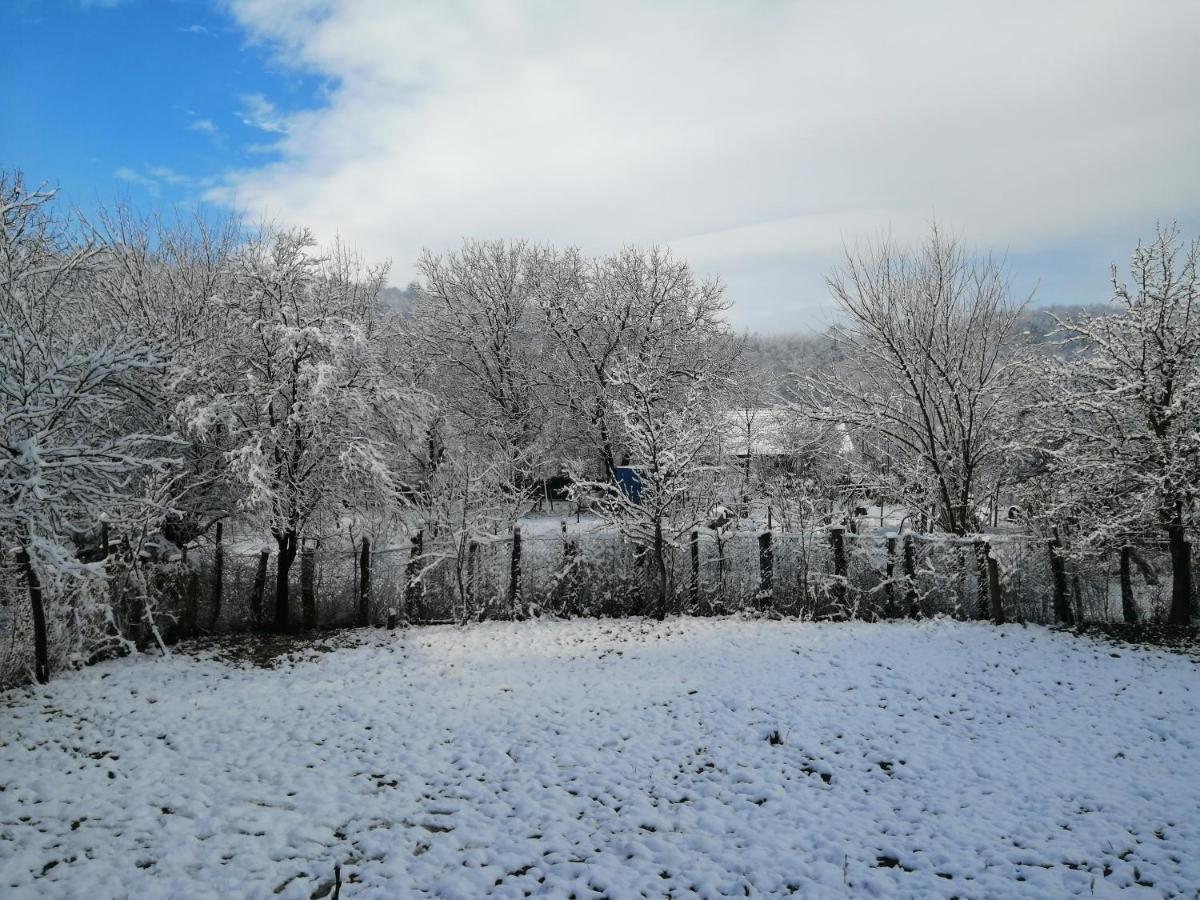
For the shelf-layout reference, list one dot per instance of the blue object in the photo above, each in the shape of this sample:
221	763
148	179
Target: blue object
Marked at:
629	482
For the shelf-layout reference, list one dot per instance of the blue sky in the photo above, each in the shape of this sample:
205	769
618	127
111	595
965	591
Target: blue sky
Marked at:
754	138
143	100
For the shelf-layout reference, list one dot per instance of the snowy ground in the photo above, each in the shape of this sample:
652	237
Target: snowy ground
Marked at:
617	758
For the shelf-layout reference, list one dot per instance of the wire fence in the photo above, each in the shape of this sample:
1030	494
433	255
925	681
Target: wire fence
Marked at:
819	575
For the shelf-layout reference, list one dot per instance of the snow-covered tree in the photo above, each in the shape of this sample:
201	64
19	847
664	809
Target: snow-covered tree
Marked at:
317	414
166	278
478	328
929	374
670	431
71	453
466	504
638	310
1119	420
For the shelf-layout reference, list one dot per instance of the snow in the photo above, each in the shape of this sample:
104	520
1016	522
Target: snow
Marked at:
614	758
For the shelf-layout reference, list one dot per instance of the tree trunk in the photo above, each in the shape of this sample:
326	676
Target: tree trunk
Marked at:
910	578
993	579
766	570
720	568
218	577
568	583
889	608
837	540
412	586
286	542
308	587
1181	571
695	585
982	607
960	588
260	588
514	574
364	584
660	559
608	455
1128	605
1062	604
41	650
472	577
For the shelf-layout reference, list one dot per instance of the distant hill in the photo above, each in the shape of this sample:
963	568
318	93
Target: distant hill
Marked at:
401	300
777	358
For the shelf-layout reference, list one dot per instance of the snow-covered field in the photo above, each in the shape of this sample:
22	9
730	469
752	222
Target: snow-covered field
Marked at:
616	758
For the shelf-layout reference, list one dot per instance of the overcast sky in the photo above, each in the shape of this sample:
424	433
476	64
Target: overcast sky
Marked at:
753	137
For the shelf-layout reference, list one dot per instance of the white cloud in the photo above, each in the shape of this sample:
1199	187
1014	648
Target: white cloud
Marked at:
124	173
259	112
170	176
155	178
206	126
756	137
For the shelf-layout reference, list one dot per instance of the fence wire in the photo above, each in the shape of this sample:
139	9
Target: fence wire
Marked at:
604	574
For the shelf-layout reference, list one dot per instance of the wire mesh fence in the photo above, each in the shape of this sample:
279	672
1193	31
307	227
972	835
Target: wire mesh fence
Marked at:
807	574
708	573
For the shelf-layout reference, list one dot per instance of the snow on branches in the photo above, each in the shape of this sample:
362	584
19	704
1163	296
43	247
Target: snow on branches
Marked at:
316	417
73	450
1119	421
930	377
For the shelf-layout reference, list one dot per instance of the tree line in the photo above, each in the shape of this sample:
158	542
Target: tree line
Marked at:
166	376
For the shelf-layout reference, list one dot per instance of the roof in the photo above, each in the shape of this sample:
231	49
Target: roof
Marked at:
757	432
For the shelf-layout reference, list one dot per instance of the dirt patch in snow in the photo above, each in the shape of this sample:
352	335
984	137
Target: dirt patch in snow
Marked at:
1178	638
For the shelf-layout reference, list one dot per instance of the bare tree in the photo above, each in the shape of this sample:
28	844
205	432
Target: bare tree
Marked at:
928	374
637	309
479	331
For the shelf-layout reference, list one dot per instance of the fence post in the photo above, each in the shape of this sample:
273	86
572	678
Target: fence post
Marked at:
308	595
837	540
720	566
218	576
412	585
993	573
1128	606
514	573
568	583
364	583
472	574
1194	608
982	604
694	591
106	551
260	586
1062	605
960	604
889	609
910	577
766	570
41	650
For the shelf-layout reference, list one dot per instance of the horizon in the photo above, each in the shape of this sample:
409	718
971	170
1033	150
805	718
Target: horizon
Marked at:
611	124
